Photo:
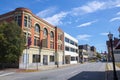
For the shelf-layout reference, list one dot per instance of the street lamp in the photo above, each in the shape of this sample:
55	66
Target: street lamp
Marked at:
110	36
119	32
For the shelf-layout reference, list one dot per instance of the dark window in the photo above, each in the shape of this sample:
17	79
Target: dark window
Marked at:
66	40
51	58
36	58
73	58
25	21
18	20
76	44
76	51
72	49
67	48
71	42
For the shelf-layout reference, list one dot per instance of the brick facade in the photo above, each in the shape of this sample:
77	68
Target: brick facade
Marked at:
49	38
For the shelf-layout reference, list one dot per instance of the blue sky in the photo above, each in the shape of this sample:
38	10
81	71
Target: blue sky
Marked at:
89	21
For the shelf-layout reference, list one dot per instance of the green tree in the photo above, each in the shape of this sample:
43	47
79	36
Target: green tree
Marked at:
98	55
11	42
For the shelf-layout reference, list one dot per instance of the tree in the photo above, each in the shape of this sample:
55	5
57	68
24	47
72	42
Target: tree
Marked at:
98	55
11	42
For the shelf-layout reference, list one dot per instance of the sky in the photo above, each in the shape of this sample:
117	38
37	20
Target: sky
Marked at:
89	21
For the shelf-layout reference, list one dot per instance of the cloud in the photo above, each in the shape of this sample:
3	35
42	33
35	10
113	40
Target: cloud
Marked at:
118	13
46	12
57	18
84	37
88	8
87	24
104	34
94	6
114	19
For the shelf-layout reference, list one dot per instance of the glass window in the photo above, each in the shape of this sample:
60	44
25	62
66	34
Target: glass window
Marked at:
52	45
66	40
71	42
72	49
25	21
76	44
36	41
29	21
45	32
67	48
18	19
73	58
37	28
51	58
51	35
36	58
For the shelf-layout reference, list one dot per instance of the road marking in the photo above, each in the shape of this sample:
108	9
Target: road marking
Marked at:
7	74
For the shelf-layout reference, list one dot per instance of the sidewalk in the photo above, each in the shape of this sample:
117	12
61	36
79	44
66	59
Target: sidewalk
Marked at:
109	71
48	67
34	69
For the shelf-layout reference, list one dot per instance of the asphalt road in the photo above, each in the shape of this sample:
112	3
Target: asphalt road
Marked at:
87	71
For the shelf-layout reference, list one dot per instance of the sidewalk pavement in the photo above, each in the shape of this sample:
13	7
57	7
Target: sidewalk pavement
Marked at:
109	71
40	68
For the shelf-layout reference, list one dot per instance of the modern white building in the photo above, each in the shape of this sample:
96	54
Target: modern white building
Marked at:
70	49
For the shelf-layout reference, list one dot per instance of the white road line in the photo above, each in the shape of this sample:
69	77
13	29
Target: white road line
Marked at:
7	74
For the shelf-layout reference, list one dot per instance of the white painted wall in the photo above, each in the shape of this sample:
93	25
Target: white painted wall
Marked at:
72	54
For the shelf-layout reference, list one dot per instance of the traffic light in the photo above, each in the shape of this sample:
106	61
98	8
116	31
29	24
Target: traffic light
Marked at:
29	42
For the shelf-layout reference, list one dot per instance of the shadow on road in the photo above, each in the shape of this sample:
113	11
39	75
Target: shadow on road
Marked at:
95	75
89	75
110	75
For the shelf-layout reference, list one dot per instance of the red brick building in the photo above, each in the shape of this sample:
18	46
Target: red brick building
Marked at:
47	40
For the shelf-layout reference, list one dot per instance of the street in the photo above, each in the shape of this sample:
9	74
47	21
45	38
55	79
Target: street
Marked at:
87	71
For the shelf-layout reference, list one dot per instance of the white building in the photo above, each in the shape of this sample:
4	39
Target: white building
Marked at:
70	49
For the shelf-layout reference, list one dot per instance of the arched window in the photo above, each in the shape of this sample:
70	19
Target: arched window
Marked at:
37	28
52	40
51	35
45	32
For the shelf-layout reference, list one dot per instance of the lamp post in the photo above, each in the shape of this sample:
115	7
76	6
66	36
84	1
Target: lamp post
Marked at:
110	36
119	32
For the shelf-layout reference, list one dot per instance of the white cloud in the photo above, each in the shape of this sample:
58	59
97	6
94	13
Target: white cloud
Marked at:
117	3
84	37
114	19
94	6
89	8
57	18
118	13
104	34
46	12
86	24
